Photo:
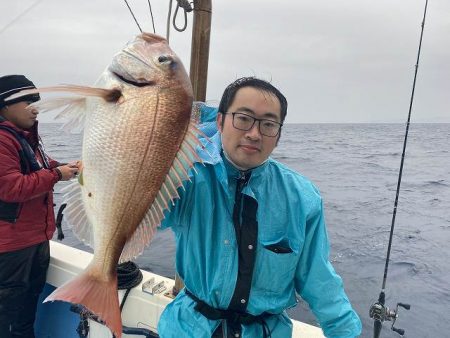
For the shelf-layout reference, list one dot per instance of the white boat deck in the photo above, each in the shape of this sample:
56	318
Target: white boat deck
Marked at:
141	309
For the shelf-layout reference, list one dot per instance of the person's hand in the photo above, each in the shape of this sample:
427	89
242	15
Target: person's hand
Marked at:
78	164
67	171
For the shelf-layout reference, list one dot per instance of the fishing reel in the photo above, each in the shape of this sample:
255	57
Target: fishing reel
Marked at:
380	313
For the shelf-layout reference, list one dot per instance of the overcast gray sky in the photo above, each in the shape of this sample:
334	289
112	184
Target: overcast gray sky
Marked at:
336	61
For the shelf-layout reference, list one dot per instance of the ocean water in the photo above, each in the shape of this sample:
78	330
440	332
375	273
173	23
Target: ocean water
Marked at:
356	168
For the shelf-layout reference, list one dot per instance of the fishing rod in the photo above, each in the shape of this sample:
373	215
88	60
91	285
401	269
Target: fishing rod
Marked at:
378	311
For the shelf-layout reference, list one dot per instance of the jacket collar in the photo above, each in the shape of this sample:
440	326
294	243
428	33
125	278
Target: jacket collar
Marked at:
31	134
213	154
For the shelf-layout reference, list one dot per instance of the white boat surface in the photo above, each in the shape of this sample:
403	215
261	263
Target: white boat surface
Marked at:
142	309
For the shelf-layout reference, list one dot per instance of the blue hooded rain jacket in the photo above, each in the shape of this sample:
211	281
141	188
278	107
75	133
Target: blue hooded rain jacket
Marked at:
290	211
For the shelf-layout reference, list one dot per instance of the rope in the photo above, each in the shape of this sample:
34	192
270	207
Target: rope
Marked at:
137	23
128	276
185	4
175	17
58	222
187	7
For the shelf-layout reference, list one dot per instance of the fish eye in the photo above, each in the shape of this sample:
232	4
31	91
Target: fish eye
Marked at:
164	59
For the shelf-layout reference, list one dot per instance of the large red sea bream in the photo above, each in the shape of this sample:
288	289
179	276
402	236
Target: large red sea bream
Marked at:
138	144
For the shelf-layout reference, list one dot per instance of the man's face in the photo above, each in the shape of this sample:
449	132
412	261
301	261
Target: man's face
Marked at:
249	149
20	114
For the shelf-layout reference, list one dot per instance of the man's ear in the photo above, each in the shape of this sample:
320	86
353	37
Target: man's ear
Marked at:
219	121
278	138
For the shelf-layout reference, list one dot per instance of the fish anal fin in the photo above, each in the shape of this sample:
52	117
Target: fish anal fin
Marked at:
141	236
75	214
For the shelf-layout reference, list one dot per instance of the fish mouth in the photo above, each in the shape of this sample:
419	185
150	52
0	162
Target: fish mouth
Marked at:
132	82
119	70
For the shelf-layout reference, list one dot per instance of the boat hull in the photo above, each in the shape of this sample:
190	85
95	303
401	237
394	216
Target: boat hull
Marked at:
141	310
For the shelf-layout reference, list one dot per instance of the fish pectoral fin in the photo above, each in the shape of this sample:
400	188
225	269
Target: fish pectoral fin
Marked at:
109	95
73	111
178	173
73	107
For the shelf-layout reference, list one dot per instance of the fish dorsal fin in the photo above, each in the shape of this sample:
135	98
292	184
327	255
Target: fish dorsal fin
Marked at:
196	113
178	173
75	213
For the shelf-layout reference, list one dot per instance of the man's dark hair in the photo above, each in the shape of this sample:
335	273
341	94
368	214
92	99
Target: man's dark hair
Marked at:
231	90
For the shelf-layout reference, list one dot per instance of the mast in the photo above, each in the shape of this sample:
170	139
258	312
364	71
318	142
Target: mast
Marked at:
200	48
199	67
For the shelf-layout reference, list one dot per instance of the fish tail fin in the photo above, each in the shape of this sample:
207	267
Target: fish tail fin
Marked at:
98	296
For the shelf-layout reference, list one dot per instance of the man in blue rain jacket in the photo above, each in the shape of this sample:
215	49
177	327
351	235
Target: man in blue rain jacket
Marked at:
250	233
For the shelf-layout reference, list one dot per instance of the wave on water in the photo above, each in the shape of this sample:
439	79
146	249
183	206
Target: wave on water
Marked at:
378	155
411	268
438	183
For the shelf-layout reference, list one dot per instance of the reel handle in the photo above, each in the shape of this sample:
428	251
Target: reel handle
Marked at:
405	306
401	332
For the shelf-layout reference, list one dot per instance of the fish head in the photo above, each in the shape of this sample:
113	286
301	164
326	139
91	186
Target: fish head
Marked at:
148	60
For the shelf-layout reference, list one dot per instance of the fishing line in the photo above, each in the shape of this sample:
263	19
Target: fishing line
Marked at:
168	21
19	16
131	11
378	311
151	14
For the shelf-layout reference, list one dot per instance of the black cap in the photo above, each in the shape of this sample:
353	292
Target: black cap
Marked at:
12	84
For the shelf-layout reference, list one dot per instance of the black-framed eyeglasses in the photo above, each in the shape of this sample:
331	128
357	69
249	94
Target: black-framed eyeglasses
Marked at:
246	122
